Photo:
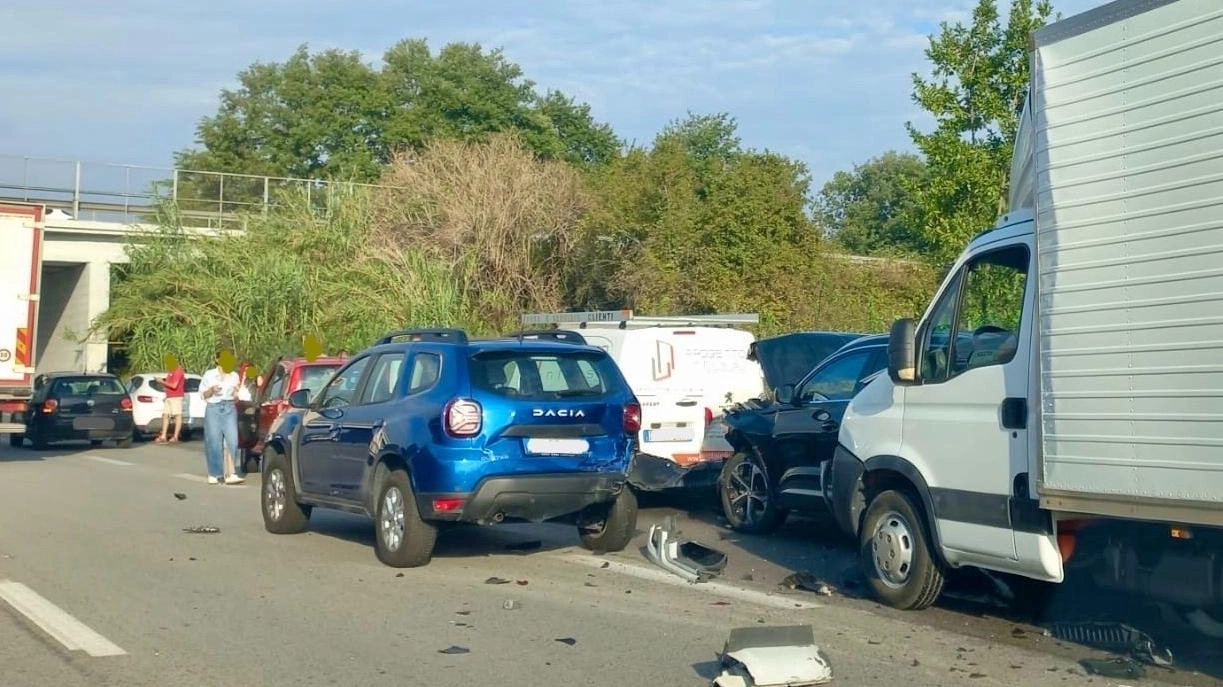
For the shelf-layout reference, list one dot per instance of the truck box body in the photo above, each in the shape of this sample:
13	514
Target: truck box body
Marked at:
1122	149
20	272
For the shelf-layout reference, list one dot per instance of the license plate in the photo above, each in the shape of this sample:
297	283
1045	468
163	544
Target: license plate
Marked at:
557	447
88	423
668	434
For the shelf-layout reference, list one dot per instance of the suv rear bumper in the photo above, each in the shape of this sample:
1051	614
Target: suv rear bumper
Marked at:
530	498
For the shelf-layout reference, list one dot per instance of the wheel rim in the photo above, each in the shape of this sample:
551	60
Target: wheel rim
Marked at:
892	548
391	520
275	493
748	490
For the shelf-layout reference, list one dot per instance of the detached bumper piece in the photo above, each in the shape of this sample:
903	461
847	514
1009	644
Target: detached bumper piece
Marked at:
773	656
690	560
652	473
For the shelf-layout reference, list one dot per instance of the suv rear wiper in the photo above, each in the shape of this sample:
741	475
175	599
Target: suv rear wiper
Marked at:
574	393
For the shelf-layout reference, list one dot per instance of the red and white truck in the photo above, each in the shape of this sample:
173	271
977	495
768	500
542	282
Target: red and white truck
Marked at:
21	234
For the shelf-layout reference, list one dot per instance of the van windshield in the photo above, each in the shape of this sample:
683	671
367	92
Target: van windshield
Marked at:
540	375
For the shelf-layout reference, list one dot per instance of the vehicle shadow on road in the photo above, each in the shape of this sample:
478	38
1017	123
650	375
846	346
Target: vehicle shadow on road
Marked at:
457	541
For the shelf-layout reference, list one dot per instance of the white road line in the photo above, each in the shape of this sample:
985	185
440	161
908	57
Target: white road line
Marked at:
72	633
713	587
108	461
201	478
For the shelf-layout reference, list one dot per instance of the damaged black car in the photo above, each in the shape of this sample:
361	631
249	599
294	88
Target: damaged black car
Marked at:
781	444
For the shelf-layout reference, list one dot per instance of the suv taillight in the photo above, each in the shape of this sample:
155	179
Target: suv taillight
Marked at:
708	416
464	418
49	406
632	417
125	403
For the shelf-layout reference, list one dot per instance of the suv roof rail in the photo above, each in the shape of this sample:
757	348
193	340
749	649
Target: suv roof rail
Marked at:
562	335
625	318
448	335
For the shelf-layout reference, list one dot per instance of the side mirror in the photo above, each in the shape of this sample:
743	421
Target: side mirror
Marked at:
902	351
784	394
300	399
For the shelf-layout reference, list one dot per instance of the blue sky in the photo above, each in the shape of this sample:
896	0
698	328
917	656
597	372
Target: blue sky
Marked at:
824	81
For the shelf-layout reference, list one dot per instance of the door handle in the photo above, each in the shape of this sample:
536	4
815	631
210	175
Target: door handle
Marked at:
821	415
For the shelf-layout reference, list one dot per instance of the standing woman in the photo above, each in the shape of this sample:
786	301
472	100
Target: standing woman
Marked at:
219	389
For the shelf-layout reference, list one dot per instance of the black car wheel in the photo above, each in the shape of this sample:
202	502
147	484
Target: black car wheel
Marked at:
749	501
613	526
16	440
37	441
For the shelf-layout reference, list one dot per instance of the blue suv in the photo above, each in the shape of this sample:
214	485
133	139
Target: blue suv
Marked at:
428	427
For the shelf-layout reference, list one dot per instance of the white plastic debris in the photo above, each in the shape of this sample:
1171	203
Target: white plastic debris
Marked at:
783	656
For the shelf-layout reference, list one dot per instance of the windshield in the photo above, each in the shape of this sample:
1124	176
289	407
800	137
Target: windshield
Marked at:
544	375
87	386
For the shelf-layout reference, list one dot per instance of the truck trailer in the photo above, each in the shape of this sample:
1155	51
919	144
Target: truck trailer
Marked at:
1059	406
21	230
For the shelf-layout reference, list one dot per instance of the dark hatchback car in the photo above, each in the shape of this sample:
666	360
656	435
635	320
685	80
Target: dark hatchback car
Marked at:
77	406
782	444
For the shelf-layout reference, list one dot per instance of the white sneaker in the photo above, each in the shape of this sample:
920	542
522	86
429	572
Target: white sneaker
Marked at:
234	479
213	480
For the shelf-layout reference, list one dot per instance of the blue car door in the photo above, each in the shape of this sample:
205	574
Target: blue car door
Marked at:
318	452
363	420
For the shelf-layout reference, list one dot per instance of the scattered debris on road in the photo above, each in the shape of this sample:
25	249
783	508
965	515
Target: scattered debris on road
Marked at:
605	564
511	605
180	496
530	545
567	640
1115	637
809	582
202	529
398	574
496	580
690	560
1118	667
462	612
768	656
522	583
454	649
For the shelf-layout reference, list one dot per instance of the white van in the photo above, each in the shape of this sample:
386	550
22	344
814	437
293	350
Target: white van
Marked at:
685	371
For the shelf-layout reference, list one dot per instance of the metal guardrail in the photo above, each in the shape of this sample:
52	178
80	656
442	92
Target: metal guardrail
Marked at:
130	194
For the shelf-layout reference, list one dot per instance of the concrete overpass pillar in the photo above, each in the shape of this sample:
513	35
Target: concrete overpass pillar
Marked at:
73	295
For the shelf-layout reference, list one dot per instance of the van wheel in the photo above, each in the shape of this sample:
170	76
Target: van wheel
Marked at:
282	514
402	538
619	524
895	553
749	501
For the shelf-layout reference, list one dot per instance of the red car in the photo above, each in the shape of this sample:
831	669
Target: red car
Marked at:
271	399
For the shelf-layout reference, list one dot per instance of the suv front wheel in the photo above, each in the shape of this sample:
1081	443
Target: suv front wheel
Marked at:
610	526
402	539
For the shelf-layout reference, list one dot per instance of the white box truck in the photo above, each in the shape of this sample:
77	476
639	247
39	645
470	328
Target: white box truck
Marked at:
21	230
1060	404
685	371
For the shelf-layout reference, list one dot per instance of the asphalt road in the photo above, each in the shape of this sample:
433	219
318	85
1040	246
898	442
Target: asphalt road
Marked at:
100	585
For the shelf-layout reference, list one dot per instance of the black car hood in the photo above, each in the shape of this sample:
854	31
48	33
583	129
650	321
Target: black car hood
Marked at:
787	358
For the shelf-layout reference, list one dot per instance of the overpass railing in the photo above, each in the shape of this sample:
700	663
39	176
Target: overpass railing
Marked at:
131	194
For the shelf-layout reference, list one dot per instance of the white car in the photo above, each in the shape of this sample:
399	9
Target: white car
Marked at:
149	396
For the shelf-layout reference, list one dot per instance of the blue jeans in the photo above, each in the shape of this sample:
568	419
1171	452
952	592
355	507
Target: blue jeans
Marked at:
220	428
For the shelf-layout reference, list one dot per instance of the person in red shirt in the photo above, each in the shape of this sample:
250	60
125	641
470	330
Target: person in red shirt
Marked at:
173	407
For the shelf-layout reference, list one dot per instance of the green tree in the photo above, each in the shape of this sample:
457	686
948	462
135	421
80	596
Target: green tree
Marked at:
331	115
975	94
869	210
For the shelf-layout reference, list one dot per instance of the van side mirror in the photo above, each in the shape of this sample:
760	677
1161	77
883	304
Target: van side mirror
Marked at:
300	399
784	394
902	351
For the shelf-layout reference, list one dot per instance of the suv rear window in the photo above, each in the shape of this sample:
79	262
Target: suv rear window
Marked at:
543	375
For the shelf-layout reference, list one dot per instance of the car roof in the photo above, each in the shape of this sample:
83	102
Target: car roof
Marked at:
321	360
68	373
498	344
868	341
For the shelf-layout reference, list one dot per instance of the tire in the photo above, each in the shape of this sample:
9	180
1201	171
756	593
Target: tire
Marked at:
619	524
95	442
16	440
904	574
38	442
748	495
250	461
282	514
125	442
402	539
